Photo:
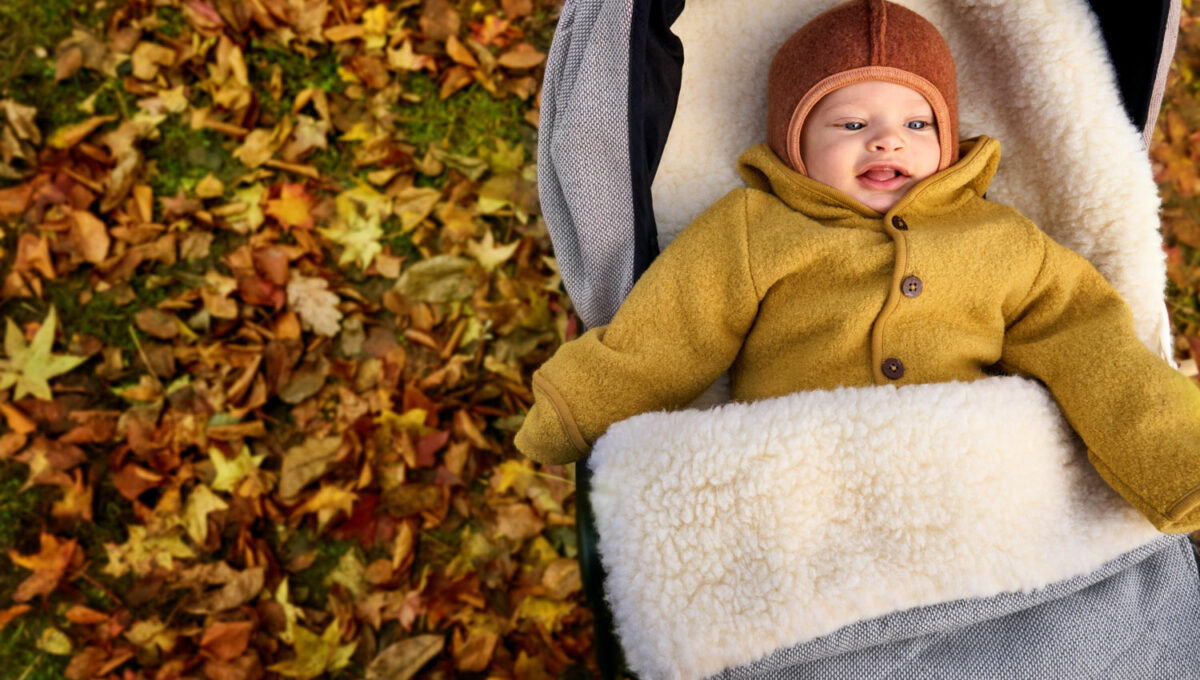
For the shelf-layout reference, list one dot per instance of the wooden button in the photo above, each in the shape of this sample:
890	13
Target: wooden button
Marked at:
893	369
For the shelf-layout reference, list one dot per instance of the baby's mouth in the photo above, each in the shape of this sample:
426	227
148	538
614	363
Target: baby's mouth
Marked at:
881	174
883	178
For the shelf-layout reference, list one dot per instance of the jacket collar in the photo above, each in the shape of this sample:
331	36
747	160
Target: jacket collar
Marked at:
941	192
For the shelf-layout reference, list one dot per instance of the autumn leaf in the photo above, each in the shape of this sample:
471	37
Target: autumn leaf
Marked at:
402	660
200	504
488	254
293	207
230	472
48	566
357	228
315	655
307	462
316	305
142	552
31	366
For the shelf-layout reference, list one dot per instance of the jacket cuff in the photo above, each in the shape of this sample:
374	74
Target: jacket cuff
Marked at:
1174	516
549	433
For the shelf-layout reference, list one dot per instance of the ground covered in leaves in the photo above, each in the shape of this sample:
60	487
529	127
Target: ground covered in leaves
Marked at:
274	279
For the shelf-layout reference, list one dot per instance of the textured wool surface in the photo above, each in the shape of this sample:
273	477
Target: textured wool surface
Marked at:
1032	73
732	532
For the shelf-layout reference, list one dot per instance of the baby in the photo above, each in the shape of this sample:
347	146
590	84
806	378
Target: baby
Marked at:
863	253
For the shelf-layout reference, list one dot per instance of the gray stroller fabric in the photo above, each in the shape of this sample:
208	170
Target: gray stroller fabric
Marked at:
583	156
1135	618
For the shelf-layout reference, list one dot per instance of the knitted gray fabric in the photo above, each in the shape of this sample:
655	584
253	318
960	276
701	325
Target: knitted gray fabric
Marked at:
1135	618
584	176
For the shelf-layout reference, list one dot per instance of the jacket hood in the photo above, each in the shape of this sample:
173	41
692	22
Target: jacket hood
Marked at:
942	191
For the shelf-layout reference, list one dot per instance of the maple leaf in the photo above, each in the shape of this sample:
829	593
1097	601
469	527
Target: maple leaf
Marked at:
357	227
327	503
48	566
30	366
316	655
200	504
230	472
141	552
293	207
488	253
310	298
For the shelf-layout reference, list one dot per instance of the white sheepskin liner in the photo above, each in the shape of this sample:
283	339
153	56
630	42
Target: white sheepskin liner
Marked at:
732	532
1032	73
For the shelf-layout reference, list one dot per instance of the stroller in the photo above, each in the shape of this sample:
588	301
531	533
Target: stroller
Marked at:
931	531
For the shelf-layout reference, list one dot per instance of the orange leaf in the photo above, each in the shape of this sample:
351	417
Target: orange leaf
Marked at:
293	208
48	566
226	640
11	613
454	79
521	56
85	616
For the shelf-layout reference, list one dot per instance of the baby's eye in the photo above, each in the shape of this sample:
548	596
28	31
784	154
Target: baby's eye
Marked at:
853	126
918	125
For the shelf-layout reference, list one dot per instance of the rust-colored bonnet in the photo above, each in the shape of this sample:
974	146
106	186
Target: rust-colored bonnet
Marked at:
855	42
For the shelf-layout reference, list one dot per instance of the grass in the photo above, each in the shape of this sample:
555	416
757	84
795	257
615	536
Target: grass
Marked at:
462	122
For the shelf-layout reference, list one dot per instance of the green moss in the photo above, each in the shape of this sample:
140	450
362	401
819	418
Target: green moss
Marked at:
299	72
22	513
19	655
183	156
308	587
463	121
173	21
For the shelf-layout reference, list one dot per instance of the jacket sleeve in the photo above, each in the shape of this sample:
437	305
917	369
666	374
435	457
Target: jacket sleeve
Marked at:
1139	418
681	326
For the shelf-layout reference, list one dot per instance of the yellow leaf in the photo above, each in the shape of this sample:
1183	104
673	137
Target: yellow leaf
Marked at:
48	566
141	553
414	204
230	472
315	655
209	187
327	503
54	641
375	27
549	613
293	208
201	502
488	254
31	366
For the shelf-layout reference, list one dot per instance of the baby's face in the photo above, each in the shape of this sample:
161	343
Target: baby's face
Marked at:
872	140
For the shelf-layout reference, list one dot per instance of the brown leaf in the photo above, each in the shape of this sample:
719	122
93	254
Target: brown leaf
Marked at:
148	57
48	565
562	578
517	8
439	20
521	56
518	521
157	323
90	236
240	590
403	659
67	137
308	461
475	653
85	616
410	499
226	640
459	53
454	79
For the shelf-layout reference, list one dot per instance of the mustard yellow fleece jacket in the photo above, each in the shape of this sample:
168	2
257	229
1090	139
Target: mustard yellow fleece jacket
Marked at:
797	286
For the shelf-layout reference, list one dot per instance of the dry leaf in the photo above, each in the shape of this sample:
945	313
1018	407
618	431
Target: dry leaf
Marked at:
48	565
307	462
402	660
316	306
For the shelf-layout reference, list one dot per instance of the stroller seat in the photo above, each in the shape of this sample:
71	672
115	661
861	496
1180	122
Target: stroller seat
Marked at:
944	530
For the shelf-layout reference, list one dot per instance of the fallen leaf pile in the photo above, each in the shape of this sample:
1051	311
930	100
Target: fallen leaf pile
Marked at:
1175	151
272	294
